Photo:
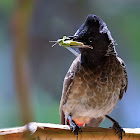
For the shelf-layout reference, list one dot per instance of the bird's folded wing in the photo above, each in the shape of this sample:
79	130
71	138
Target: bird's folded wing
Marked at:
124	78
67	84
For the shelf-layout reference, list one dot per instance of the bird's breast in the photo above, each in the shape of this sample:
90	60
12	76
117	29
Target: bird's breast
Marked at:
95	91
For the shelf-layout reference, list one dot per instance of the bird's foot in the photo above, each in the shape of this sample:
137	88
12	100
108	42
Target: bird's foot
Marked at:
75	128
119	129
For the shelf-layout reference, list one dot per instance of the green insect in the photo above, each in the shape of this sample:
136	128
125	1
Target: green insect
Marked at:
67	43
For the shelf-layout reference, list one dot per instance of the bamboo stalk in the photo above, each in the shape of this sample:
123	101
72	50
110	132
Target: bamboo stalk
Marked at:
47	131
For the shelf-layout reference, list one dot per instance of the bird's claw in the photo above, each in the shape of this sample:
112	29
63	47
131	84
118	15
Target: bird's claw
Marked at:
119	129
75	128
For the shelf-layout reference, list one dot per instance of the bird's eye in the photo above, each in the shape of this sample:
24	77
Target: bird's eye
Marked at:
91	39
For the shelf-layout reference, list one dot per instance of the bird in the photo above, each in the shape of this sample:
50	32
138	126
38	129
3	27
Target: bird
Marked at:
96	79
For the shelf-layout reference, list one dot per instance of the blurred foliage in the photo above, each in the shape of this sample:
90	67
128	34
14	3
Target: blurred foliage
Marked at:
7	6
47	66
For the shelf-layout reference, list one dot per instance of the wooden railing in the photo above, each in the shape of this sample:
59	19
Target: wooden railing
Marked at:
47	131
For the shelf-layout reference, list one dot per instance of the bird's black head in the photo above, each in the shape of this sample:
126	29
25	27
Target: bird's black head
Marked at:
95	33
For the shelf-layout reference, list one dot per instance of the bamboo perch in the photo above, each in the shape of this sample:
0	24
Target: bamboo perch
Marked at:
47	131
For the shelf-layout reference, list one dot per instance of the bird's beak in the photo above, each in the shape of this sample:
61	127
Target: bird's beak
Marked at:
77	44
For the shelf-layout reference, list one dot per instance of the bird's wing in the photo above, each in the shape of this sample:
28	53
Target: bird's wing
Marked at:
124	79
67	84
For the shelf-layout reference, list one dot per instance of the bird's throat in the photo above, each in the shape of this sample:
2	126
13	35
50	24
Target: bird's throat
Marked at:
91	59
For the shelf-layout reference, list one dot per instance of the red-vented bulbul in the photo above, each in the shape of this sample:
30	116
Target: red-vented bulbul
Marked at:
95	81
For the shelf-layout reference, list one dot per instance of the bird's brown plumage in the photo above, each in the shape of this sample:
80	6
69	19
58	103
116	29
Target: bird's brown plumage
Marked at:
93	89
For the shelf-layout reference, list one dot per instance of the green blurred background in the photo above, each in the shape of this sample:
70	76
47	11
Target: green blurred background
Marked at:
47	66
